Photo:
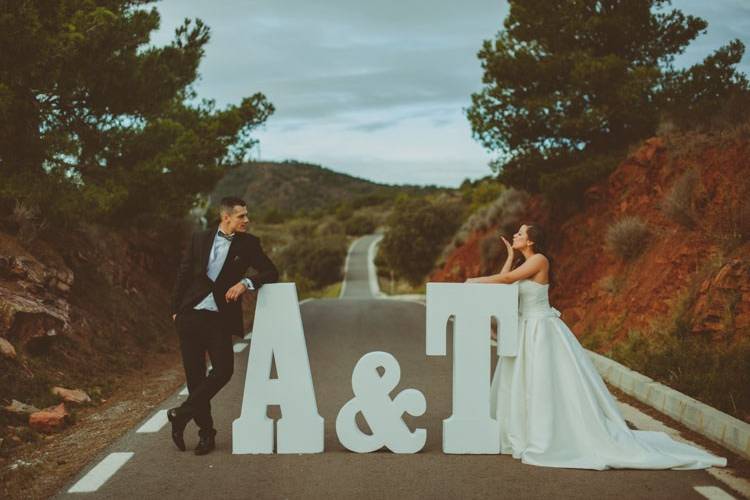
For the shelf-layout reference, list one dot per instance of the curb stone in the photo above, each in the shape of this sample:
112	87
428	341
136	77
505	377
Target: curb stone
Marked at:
730	432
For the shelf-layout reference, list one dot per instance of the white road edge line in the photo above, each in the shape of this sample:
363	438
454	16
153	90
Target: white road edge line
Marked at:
648	423
713	493
184	391
155	423
97	476
372	273
738	484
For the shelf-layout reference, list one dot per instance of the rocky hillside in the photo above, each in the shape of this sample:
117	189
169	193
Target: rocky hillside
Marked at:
654	269
706	257
79	309
291	187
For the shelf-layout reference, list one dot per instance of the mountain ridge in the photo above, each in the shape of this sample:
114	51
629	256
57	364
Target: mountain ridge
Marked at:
292	187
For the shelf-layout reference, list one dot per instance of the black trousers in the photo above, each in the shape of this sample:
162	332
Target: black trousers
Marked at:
200	332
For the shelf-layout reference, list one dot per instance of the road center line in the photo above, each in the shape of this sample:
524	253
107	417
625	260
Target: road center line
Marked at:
713	493
155	423
97	476
346	267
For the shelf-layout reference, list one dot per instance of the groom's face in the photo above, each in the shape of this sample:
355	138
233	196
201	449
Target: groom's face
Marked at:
236	220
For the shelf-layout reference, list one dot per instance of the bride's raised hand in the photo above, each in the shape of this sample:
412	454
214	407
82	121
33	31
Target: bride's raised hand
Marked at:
508	246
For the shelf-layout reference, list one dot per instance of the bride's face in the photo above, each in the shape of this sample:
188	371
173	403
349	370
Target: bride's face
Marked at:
520	239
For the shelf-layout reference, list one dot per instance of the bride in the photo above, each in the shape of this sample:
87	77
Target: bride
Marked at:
552	406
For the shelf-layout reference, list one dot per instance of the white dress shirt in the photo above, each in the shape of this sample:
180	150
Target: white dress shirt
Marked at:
216	259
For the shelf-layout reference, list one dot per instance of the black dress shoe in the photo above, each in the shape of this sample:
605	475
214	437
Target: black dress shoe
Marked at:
205	444
179	419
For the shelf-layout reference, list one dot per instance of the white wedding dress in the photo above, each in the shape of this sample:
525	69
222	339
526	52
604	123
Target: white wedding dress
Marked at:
554	410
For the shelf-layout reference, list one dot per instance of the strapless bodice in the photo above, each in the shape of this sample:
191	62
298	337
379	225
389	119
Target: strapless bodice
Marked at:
533	300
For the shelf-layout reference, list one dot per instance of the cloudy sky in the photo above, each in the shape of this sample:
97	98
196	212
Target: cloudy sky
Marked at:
374	88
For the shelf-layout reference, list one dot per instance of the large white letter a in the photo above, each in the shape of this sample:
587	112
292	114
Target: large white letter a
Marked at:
278	335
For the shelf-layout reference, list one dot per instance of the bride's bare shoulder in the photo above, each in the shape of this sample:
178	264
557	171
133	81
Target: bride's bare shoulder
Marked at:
541	257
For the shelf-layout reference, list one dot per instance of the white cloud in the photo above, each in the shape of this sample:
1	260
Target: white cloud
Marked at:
373	88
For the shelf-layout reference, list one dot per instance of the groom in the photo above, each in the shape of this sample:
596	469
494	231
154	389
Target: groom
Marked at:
207	312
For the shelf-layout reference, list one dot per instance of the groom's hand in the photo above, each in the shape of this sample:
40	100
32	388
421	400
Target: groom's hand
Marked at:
235	292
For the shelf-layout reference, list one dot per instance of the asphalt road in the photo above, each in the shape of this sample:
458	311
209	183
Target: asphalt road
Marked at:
338	332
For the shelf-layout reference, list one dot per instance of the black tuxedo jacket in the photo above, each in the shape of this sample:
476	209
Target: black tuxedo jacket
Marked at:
193	284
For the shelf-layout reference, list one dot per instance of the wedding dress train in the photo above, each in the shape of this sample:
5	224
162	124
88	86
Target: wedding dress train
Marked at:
554	410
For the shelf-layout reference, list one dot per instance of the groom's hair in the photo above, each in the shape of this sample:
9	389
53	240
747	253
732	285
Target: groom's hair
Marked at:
228	203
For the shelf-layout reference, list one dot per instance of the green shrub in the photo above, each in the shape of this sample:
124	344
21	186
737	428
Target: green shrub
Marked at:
274	216
566	184
417	230
628	237
561	91
112	130
301	228
709	94
369	200
381	265
330	227
481	192
314	263
359	224
344	211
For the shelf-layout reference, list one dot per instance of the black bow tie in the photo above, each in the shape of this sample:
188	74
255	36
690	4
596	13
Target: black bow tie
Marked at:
226	236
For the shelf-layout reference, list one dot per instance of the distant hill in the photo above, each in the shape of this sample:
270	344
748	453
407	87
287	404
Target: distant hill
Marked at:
293	187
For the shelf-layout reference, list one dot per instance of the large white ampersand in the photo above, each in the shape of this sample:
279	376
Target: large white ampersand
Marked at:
383	415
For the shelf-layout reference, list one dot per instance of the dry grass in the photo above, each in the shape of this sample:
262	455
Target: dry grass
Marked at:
679	204
728	224
732	227
28	221
710	370
628	237
713	370
690	144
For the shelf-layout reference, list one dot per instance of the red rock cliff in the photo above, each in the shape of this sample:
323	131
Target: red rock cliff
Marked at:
596	290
